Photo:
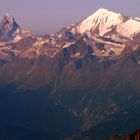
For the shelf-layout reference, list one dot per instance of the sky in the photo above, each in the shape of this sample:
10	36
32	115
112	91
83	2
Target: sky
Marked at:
49	16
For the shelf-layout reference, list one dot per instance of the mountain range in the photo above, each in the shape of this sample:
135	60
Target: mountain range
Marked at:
81	83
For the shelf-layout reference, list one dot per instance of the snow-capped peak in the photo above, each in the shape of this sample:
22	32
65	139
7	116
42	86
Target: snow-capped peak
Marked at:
107	23
102	11
103	19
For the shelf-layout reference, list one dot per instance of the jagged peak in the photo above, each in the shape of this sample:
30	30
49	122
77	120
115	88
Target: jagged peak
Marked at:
8	17
8	28
8	20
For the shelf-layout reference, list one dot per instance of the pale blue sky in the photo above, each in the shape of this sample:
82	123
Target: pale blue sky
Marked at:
48	16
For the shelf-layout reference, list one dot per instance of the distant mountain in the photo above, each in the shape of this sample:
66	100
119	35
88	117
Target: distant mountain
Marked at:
90	70
10	30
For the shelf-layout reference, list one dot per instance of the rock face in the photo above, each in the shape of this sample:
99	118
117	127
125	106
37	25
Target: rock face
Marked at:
133	136
90	69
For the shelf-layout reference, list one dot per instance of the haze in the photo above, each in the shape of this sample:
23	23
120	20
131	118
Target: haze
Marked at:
49	16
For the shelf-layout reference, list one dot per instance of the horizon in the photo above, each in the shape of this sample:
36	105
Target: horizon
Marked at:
51	16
